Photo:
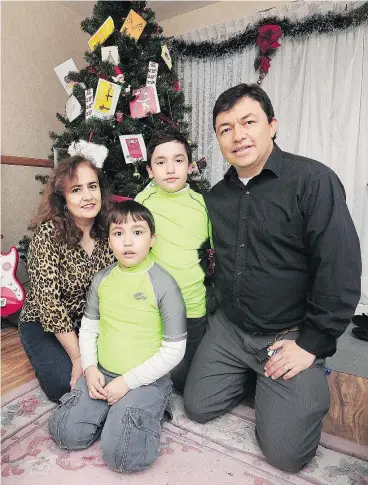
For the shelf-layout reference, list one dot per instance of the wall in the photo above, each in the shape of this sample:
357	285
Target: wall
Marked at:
35	37
213	14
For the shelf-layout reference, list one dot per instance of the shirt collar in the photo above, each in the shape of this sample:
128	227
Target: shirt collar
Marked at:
274	164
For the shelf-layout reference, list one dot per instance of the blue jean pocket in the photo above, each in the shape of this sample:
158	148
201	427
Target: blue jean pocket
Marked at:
139	446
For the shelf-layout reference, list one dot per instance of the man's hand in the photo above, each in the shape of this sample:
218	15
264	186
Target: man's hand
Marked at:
289	360
95	383
115	390
77	371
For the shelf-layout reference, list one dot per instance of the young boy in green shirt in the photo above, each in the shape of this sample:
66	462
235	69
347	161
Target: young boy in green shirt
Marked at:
182	232
133	333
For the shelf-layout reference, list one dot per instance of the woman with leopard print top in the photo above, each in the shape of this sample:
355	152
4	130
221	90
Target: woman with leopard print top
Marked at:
67	249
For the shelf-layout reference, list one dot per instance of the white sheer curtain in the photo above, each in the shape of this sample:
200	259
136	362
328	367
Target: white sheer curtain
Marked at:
319	89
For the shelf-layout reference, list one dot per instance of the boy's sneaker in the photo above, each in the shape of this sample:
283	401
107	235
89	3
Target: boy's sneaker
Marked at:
361	320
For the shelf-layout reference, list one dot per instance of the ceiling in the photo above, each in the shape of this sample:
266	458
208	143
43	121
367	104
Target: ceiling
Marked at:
163	9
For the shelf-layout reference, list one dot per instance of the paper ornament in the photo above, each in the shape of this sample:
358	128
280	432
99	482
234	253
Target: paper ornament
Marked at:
110	54
145	102
96	153
152	74
73	108
165	54
89	102
99	37
134	148
62	72
106	99
133	25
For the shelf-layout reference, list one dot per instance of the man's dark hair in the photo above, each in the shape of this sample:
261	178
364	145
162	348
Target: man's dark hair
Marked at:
120	211
165	137
231	96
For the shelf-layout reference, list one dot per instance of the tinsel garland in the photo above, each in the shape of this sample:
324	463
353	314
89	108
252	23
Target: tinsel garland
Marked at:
317	23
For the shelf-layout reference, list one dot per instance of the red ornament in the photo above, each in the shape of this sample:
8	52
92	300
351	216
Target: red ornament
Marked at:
176	86
202	164
93	70
119	198
268	36
119	116
264	64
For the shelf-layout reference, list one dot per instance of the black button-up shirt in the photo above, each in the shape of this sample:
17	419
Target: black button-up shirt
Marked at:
287	252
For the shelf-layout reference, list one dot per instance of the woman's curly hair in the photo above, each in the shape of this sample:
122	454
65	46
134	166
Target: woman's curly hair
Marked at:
53	205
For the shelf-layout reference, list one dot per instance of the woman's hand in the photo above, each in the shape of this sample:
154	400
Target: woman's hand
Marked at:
77	371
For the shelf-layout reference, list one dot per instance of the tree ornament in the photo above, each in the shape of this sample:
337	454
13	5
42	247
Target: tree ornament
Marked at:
119	116
119	78
96	153
176	86
136	173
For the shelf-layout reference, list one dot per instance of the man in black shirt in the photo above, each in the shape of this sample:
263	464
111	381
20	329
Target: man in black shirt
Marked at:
287	279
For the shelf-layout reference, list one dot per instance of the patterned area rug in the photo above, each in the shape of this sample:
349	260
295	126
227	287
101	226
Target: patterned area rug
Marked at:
221	452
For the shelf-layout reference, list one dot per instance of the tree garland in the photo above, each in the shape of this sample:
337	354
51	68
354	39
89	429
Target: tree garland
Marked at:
317	23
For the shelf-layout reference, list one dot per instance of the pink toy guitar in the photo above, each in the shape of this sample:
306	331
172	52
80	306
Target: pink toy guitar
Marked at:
12	292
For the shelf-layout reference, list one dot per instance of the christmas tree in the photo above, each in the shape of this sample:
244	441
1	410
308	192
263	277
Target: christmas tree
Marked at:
135	92
127	50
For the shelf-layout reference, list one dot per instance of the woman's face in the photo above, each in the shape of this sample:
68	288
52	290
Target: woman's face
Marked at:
83	194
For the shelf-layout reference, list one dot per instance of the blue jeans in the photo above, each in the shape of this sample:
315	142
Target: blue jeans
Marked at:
49	360
130	429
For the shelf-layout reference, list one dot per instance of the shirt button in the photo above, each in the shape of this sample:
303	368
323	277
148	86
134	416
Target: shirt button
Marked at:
237	300
238	273
242	245
247	192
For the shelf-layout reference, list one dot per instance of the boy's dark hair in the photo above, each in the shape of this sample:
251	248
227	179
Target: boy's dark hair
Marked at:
231	96
165	137
120	211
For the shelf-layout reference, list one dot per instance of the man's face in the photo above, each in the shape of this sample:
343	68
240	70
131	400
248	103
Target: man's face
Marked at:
170	166
245	136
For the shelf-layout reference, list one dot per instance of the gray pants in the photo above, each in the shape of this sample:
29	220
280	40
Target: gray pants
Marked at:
289	413
130	429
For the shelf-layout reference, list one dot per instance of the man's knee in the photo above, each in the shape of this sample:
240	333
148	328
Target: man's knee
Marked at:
195	411
66	429
135	445
287	457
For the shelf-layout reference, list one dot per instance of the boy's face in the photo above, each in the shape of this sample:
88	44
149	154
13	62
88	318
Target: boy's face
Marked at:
170	166
130	242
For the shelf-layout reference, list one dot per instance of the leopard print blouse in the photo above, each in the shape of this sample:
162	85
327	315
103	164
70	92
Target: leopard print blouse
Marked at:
60	275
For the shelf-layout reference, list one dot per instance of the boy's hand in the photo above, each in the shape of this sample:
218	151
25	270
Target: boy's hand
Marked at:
95	383
115	390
